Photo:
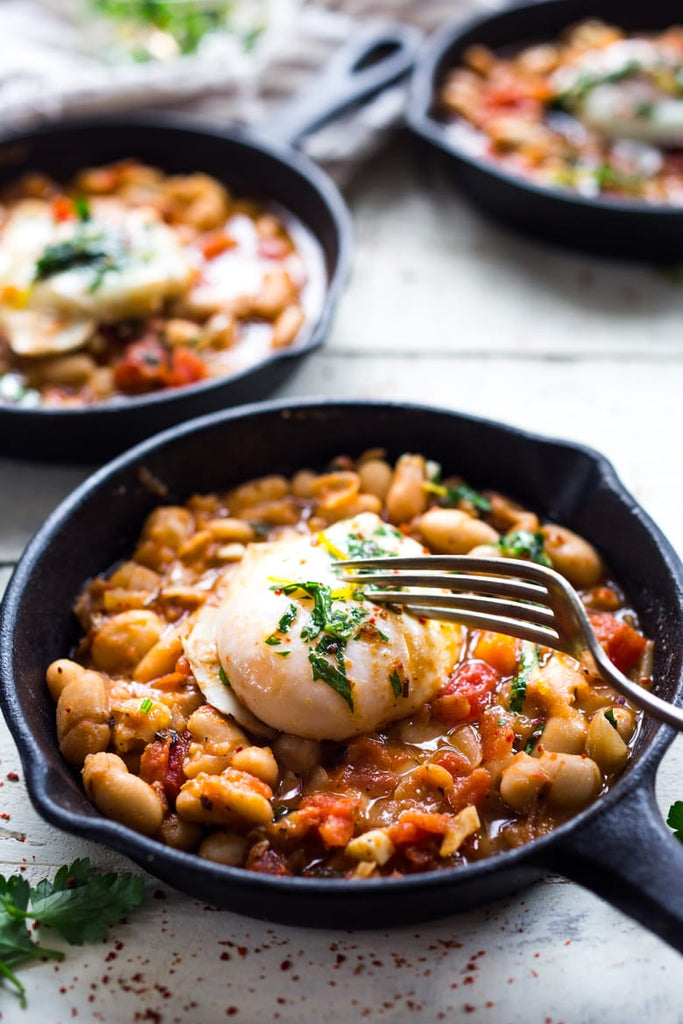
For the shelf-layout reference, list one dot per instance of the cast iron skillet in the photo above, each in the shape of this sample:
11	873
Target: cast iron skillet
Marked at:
619	847
257	165
631	230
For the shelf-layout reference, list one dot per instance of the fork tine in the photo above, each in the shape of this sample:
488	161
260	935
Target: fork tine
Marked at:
492	585
498	624
538	614
507	567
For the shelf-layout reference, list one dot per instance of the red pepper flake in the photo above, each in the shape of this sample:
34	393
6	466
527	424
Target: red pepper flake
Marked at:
285	965
231	1011
468	1008
12	776
5	817
225	956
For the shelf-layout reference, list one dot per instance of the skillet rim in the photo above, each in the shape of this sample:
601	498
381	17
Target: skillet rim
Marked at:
421	120
145	851
309	174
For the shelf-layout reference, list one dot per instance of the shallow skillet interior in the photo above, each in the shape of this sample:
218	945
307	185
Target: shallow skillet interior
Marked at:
99	525
611	227
176	145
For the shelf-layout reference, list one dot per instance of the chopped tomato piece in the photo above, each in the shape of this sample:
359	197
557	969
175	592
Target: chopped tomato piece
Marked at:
414	826
497	734
213	243
473	789
266	861
162	762
467	692
62	209
333	817
622	644
186	367
143	368
453	762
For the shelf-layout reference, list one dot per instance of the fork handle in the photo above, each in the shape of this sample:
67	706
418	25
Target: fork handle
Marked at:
629	857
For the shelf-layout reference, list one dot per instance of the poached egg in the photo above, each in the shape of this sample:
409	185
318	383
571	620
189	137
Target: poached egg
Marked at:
60	278
293	648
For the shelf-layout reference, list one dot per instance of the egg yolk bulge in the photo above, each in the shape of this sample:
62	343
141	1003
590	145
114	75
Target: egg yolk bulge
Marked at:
58	279
305	653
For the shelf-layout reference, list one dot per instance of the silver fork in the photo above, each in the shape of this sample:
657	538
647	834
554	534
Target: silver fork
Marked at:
519	598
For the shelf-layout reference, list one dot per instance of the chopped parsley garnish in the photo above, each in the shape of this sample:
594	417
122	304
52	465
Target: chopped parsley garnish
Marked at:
223	678
527	662
79	905
675	819
273	641
146	706
335	678
338	623
611	718
81	208
645	110
524	544
449	497
287	619
332	628
578	91
396	684
282	654
94	249
359	547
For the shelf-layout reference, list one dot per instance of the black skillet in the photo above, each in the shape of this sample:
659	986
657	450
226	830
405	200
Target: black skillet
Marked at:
619	847
611	227
259	164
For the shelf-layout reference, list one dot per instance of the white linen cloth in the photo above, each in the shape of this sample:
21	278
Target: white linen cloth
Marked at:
48	69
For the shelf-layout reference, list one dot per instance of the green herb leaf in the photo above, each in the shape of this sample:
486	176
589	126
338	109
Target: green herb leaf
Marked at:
335	678
527	662
449	497
675	819
146	706
611	718
79	905
524	544
82	208
223	678
396	684
287	619
273	640
80	251
282	654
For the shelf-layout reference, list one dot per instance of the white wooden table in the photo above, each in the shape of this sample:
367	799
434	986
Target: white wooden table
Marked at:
447	309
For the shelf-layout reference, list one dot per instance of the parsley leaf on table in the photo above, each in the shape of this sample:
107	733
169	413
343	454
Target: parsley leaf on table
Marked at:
79	904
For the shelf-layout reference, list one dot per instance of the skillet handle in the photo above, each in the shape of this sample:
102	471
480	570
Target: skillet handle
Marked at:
376	55
630	858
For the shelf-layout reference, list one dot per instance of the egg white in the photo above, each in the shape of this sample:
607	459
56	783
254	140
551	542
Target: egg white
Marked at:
60	312
276	681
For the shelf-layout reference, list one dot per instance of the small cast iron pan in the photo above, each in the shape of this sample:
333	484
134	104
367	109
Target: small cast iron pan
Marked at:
619	847
260	165
610	227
